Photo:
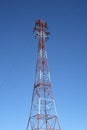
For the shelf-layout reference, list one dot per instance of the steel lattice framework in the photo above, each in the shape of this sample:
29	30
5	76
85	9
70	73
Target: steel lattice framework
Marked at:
43	115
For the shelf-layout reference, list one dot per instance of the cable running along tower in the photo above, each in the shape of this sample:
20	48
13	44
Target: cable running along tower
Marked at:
43	115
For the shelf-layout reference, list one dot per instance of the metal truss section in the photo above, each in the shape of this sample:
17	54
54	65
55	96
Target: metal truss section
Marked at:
46	115
42	70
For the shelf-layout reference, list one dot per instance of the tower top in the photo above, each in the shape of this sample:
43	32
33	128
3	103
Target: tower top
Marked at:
41	29
41	23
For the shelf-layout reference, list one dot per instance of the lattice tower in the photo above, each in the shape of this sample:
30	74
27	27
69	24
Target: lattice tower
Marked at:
43	115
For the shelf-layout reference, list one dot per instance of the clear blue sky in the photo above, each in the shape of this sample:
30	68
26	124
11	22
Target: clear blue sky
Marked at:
67	54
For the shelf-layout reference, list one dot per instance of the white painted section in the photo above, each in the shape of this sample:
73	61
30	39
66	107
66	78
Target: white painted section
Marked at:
46	99
40	53
41	34
45	54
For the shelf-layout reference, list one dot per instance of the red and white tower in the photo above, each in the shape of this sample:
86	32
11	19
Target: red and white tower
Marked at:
43	115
